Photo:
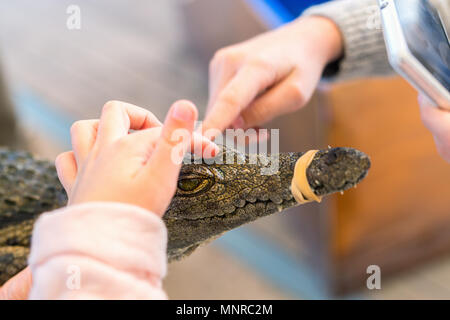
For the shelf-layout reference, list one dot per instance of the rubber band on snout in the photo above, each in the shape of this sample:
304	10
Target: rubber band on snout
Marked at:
301	190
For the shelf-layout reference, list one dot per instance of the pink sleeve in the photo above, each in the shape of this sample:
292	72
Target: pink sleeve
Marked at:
98	251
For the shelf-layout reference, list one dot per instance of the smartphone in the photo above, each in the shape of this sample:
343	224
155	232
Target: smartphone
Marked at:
418	46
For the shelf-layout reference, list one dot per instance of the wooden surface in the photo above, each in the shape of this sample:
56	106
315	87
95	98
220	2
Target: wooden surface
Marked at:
400	215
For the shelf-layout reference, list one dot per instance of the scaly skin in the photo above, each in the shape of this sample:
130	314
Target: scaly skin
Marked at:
210	200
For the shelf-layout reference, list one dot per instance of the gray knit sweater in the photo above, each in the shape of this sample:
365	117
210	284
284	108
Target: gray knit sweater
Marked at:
364	49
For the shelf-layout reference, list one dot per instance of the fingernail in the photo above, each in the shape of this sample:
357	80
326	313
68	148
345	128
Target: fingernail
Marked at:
238	123
183	112
216	150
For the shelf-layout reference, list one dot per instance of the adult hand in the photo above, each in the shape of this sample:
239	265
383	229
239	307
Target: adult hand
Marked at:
438	122
272	74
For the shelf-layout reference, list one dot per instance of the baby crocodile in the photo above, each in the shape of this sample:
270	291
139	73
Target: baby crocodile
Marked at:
210	199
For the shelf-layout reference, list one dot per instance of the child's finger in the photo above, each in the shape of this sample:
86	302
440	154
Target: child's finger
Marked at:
145	141
18	287
83	135
66	167
119	117
202	146
174	142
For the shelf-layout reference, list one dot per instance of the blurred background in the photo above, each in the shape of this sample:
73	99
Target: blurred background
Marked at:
151	53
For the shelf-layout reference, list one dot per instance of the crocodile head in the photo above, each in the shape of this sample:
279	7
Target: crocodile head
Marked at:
214	198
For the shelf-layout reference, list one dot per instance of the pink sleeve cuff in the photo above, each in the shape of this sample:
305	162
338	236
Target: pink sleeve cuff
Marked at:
98	250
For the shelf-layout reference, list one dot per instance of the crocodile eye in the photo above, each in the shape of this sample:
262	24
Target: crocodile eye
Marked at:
189	184
195	180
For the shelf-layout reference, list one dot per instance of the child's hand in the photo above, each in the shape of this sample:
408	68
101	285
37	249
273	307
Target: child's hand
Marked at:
18	287
141	168
438	122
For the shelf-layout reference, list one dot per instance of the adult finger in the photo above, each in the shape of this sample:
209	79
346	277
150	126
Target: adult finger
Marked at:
443	148
435	119
66	167
118	118
83	135
287	96
221	71
236	96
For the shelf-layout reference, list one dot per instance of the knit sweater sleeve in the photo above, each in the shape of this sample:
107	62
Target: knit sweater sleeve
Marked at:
364	48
